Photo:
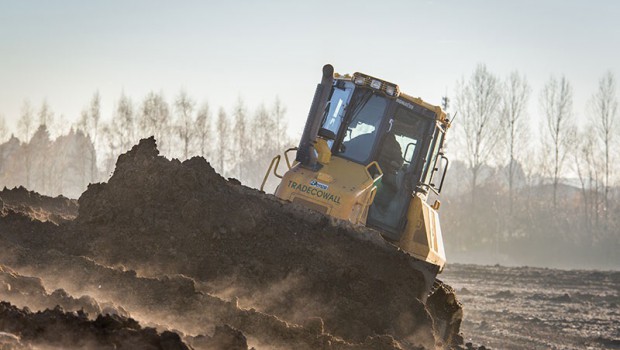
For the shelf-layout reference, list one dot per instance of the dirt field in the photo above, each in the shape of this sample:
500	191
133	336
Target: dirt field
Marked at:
535	308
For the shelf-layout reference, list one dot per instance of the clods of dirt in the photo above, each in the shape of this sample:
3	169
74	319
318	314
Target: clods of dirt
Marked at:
179	247
57	328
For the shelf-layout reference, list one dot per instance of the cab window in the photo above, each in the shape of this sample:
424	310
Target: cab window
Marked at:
361	133
398	157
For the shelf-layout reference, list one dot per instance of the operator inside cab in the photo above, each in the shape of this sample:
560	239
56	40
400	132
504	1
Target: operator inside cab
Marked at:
391	161
398	156
399	160
369	126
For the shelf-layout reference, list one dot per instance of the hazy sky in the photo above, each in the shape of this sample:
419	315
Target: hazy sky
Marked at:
63	51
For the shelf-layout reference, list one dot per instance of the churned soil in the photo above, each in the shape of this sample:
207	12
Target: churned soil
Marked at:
181	249
38	207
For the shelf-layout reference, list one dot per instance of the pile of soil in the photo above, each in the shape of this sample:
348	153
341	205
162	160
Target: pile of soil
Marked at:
21	328
178	246
167	302
42	208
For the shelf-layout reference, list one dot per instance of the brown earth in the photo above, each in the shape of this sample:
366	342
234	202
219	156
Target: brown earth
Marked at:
525	308
23	329
57	210
178	247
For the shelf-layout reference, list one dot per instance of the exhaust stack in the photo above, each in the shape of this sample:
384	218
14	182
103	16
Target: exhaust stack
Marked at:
305	154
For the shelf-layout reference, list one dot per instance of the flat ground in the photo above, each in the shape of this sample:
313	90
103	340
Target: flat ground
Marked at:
536	308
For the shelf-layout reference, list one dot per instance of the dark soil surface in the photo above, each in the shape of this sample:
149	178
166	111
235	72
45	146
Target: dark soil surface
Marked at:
177	247
58	329
536	308
42	208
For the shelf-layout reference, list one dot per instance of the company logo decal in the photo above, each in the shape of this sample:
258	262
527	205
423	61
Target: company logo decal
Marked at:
316	192
319	185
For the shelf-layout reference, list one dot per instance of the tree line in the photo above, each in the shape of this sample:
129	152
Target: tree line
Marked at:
236	142
534	184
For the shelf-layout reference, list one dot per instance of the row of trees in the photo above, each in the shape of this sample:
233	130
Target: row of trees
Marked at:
64	165
236	142
534	178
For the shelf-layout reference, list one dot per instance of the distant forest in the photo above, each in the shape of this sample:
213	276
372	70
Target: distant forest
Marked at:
513	195
63	158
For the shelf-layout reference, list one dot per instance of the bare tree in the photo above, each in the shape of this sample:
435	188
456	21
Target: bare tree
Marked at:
59	126
515	94
123	128
94	116
603	113
279	110
25	125
556	101
223	140
3	129
203	128
264	131
46	116
585	162
40	154
262	144
155	119
89	125
241	140
478	101
184	106
110	141
82	124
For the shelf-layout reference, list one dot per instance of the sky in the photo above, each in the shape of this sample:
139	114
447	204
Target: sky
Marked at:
219	51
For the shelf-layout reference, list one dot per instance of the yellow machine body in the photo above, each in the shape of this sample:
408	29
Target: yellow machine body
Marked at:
342	189
345	189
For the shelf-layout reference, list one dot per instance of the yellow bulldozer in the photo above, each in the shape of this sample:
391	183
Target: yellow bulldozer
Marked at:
373	155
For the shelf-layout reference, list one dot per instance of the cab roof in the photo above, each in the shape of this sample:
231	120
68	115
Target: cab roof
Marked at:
440	114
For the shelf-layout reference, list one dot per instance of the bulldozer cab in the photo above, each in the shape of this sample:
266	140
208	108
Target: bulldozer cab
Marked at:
363	122
371	155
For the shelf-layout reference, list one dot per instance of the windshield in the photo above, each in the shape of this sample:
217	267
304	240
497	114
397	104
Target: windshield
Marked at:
367	110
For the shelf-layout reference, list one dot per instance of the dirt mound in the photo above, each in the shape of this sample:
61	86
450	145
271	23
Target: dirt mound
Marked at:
164	302
283	260
38	207
180	247
29	292
57	328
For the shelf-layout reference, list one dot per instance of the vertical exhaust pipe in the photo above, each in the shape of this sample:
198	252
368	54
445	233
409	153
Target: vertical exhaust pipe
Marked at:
306	154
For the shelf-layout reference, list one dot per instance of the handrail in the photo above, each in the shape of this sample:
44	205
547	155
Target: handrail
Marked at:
407	150
288	163
275	159
373	193
377	167
445	170
430	187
